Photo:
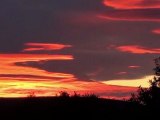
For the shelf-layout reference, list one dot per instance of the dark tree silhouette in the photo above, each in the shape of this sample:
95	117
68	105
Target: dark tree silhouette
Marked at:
150	97
64	94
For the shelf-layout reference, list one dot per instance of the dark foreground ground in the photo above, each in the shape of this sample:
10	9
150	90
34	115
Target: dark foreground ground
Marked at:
68	107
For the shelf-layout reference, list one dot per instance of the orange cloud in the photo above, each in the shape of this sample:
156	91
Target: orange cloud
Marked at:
138	49
132	4
156	31
8	64
44	46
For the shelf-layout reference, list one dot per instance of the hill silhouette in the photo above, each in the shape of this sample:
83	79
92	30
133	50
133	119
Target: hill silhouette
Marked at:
88	106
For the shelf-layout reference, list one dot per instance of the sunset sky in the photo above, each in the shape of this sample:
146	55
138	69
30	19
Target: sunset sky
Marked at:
104	47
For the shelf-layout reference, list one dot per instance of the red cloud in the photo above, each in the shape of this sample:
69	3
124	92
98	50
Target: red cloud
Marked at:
156	31
44	46
132	4
134	66
127	18
132	15
138	49
122	73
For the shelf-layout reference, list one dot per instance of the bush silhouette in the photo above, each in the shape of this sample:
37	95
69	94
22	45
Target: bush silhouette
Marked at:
64	94
149	97
93	96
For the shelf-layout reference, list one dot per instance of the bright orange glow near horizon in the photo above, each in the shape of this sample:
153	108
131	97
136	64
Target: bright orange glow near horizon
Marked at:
19	88
143	82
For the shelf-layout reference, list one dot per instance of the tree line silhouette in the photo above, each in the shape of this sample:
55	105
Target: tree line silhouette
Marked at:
150	97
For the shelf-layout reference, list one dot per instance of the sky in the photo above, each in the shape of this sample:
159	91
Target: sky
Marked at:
104	47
